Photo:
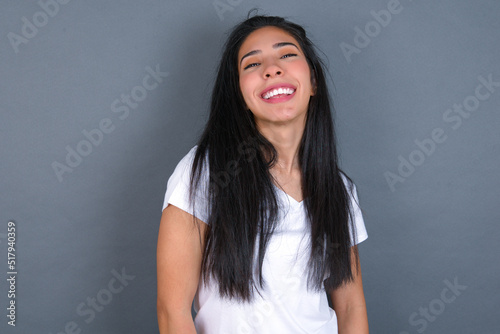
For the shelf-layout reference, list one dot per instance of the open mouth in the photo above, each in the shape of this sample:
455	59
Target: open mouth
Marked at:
278	92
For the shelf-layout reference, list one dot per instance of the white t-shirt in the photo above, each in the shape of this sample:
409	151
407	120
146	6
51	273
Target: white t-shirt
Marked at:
286	305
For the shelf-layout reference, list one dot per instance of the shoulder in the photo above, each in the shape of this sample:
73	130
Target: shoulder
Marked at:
348	183
181	176
178	190
186	162
182	171
356	216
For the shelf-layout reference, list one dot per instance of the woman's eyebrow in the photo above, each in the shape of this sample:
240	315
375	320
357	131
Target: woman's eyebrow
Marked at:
275	46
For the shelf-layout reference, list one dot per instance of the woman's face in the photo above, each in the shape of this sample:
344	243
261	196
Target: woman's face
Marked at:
274	77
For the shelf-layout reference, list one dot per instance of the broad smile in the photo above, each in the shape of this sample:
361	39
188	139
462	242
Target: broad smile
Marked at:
278	93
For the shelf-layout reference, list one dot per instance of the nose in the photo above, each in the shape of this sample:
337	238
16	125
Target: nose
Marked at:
268	75
272	70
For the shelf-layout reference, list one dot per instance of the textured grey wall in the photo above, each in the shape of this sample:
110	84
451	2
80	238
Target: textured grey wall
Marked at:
100	100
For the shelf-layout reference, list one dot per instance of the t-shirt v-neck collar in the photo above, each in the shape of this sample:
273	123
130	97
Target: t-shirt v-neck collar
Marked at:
292	200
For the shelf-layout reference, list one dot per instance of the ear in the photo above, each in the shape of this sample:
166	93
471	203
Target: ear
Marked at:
314	86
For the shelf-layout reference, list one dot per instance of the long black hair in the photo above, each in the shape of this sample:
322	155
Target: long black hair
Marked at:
241	197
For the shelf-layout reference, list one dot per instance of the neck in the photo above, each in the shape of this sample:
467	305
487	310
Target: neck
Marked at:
286	140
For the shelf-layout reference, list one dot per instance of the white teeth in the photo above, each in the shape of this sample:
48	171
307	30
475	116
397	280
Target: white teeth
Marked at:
278	91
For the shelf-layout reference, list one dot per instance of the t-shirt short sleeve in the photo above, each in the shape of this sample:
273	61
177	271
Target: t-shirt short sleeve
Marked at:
357	217
178	185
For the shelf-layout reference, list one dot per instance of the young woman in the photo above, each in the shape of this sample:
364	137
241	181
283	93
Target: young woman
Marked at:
259	224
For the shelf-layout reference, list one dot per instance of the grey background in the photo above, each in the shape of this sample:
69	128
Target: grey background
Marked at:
440	224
